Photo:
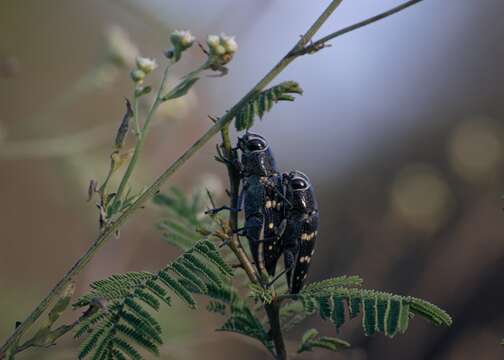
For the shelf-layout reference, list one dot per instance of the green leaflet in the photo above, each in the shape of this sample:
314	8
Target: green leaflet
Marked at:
264	101
310	341
181	89
242	321
338	315
125	347
369	316
216	307
199	266
207	250
177	288
328	284
260	293
184	272
326	305
180	226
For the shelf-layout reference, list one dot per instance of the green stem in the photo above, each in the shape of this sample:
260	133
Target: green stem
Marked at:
142	135
110	229
136	109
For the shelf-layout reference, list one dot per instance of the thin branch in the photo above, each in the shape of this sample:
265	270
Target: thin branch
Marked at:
234	183
152	190
55	335
141	134
320	44
273	313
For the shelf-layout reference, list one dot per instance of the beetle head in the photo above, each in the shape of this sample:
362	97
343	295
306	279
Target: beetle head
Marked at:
299	192
256	156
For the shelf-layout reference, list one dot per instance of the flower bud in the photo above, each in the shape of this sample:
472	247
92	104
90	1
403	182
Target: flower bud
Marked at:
186	39
229	43
145	64
181	40
213	41
142	90
222	49
137	76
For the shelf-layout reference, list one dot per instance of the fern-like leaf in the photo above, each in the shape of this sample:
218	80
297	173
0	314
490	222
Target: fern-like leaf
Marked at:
328	284
310	341
263	103
262	294
177	288
184	220
216	307
381	312
124	321
242	321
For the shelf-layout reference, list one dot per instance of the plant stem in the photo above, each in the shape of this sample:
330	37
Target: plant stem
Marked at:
110	229
273	312
136	109
319	44
234	189
142	135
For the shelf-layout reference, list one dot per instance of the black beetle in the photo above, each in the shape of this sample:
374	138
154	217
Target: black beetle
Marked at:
301	228
262	201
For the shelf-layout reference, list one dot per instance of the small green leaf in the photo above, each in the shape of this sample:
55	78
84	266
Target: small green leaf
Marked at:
310	341
62	303
263	102
181	89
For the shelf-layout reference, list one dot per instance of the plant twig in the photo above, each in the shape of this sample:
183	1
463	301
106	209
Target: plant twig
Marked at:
273	313
110	229
321	43
234	184
142	134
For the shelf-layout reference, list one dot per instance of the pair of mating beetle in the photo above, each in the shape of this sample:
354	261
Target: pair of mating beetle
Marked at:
281	212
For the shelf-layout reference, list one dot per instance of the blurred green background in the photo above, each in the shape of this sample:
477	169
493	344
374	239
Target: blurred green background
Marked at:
400	129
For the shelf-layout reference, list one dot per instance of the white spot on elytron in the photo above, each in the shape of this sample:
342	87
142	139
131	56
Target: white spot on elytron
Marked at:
302	259
271	225
297	277
308	259
304	277
307	237
268	204
312	252
270	247
279	205
273	203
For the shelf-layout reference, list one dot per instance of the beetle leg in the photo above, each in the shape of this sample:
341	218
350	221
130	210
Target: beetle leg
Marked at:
275	279
219	209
